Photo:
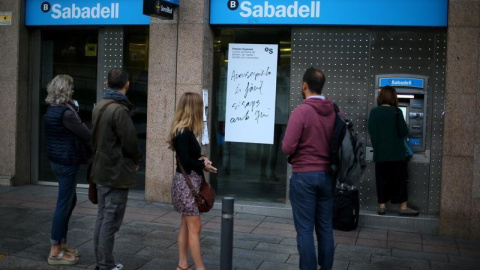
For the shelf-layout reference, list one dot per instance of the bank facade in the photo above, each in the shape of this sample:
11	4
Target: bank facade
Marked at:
431	57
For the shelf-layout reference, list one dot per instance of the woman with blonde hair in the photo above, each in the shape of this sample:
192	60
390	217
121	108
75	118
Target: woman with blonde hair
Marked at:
186	128
68	139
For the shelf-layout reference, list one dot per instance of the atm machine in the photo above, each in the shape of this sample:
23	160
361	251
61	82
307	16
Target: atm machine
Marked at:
412	100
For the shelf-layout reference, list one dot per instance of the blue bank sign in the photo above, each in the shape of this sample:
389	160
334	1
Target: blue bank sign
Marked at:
426	13
85	12
401	82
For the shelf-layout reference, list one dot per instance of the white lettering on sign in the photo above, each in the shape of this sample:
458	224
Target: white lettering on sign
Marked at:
268	10
397	82
168	10
96	12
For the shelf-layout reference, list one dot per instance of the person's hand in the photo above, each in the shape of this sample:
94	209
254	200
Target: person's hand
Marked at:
137	166
206	161
209	168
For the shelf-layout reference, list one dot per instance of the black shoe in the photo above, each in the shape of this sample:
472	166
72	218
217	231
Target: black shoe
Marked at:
382	211
408	212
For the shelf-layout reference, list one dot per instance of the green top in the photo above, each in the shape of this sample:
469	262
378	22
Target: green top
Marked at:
386	134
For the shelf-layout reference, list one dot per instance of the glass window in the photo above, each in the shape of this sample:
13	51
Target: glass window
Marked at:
71	52
250	171
136	63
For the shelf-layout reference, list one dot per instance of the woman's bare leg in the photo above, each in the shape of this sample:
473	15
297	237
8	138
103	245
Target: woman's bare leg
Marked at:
194	227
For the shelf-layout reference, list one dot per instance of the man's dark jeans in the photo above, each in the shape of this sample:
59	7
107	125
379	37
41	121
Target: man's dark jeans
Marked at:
112	203
66	201
311	197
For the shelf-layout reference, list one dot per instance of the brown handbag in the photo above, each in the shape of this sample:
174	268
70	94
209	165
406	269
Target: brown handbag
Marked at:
206	197
92	187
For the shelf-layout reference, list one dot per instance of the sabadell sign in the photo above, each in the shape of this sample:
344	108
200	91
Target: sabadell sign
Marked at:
426	13
85	12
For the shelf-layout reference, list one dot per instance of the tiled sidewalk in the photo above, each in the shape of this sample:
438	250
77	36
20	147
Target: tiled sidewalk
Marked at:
147	239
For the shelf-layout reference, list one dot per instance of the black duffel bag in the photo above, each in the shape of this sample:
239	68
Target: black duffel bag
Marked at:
346	206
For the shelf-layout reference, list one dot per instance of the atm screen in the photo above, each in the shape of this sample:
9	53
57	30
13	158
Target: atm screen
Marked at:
404	111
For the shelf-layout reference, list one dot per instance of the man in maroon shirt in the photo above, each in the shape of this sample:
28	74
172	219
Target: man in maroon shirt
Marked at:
307	141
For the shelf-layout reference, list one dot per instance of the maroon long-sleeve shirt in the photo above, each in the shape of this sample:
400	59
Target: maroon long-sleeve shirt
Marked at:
308	135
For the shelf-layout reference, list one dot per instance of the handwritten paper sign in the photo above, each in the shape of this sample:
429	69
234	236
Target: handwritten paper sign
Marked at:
251	88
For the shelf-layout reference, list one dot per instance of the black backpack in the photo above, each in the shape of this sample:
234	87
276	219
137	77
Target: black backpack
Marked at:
347	164
347	154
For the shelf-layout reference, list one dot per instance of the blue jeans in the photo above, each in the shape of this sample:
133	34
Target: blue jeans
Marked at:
66	201
311	196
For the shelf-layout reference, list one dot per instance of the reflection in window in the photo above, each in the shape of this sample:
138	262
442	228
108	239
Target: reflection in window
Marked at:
136	63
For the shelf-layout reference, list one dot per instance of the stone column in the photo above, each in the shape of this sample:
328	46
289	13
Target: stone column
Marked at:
14	97
180	60
459	213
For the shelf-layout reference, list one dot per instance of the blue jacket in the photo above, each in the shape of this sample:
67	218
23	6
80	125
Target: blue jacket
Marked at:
61	142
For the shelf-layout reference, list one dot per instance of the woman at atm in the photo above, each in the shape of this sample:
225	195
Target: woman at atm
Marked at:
387	128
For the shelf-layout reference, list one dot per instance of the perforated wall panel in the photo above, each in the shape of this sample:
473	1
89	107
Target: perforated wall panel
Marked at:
110	54
350	59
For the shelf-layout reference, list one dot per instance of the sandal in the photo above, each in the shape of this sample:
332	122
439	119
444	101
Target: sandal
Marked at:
181	268
60	260
74	253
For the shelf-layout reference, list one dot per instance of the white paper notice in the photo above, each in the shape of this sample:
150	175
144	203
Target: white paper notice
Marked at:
251	91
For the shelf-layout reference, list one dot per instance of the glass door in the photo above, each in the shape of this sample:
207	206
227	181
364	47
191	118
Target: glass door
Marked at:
72	52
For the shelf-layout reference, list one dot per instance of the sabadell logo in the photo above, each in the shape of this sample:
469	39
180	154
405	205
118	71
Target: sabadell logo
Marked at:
96	11
267	10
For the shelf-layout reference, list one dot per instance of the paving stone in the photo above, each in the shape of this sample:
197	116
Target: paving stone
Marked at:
122	247
470	251
468	243
344	240
257	254
368	233
474	261
277	226
352	256
162	235
289	241
395	261
340	265
369	266
278	266
258	238
419	255
277	248
452	250
274	232
404	245
279	220
158	263
145	241
12	245
437	240
294	259
361	249
238	243
371	243
18	263
155	252
244	263
451	266
352	234
405	237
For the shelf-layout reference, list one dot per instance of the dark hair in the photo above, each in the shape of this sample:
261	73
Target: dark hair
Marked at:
117	78
387	95
315	80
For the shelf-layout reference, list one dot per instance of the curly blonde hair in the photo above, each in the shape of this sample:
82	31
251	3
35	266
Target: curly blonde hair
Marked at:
189	114
60	90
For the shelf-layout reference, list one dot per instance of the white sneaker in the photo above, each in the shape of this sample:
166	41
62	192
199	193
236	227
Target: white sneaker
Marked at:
118	267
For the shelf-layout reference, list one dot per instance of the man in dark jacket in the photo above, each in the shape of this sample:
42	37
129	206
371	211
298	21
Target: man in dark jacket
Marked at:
117	156
307	138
